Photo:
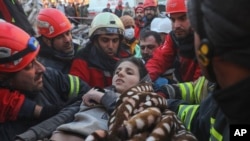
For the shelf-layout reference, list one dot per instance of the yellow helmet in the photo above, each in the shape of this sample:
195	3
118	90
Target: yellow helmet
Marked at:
106	23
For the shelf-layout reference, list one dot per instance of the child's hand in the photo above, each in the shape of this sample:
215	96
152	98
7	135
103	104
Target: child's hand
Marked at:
92	97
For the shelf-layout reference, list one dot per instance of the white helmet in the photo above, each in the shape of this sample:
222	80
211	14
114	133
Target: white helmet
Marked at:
161	25
105	23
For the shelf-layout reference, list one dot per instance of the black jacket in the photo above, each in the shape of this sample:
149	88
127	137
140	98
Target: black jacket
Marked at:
211	119
49	57
58	89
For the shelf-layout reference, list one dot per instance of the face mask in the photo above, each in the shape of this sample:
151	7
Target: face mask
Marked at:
129	33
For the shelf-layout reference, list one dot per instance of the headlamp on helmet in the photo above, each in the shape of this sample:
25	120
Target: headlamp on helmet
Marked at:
32	46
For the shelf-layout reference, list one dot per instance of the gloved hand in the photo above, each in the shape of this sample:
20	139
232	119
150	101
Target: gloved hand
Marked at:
159	82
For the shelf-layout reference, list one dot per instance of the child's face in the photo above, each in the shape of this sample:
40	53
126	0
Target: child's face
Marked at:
126	76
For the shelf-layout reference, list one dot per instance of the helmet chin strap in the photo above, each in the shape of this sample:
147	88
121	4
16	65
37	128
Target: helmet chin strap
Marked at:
210	71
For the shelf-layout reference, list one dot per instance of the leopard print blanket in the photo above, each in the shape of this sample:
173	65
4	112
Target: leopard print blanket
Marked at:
140	115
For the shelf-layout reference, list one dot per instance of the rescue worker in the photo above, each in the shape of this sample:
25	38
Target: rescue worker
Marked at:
149	41
31	87
96	62
130	43
139	24
150	12
178	49
193	92
222	49
57	48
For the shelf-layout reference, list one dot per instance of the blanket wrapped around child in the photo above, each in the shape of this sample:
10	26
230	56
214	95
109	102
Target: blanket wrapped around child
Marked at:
141	114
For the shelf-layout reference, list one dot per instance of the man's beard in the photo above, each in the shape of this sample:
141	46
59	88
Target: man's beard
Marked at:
184	33
150	17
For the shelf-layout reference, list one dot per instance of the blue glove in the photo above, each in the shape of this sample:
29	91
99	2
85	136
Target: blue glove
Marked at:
160	81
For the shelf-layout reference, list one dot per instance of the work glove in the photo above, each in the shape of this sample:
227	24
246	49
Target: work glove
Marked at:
160	81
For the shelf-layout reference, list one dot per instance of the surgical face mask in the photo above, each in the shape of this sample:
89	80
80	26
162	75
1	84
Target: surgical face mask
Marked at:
129	33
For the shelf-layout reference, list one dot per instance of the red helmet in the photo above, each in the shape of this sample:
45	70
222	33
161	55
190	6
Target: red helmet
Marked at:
17	48
176	6
52	22
150	3
139	7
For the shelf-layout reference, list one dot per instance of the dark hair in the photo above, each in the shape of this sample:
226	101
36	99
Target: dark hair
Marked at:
147	33
138	62
5	78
